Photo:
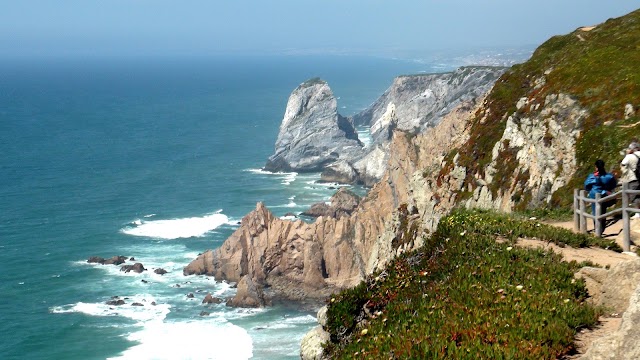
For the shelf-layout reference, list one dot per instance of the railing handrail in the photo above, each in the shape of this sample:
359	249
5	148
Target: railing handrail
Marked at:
580	199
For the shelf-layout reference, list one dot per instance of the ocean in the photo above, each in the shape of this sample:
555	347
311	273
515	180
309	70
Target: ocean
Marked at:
157	159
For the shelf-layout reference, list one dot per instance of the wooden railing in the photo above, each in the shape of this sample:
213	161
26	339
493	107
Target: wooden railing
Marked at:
580	212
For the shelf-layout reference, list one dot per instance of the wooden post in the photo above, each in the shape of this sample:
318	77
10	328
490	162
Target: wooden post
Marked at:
583	220
626	228
599	229
576	209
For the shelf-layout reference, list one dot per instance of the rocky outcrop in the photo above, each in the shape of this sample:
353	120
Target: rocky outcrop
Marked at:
210	299
414	103
296	259
311	344
312	133
411	104
160	271
249	295
539	147
203	264
612	288
343	203
623	343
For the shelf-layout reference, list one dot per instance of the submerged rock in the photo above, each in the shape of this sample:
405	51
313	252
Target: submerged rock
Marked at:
210	299
115	260
115	302
137	267
160	271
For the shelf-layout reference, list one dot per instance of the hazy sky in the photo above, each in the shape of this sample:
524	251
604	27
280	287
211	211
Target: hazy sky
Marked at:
200	27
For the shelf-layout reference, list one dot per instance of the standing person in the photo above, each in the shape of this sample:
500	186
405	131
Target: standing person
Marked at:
600	182
629	167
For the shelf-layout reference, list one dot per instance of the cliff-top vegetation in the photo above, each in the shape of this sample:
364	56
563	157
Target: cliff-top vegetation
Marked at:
464	295
598	67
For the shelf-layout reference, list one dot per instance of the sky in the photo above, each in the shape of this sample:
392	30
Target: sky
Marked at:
41	28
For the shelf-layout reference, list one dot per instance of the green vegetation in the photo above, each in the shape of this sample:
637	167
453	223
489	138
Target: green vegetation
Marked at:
598	68
464	295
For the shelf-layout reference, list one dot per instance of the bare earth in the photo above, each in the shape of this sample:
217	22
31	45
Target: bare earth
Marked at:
610	322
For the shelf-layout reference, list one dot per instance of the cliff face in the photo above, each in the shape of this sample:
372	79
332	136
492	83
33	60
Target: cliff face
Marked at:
411	104
416	102
312	133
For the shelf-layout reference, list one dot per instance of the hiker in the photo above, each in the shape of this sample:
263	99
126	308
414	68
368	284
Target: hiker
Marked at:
630	172
600	182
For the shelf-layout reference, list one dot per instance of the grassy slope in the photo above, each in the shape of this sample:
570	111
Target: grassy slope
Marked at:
599	68
459	297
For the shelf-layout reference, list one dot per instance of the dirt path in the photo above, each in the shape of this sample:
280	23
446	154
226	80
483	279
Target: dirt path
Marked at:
609	322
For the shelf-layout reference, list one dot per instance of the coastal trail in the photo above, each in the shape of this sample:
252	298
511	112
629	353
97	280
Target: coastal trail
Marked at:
608	323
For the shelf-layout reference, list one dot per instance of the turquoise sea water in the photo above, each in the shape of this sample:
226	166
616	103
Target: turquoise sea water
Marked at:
157	159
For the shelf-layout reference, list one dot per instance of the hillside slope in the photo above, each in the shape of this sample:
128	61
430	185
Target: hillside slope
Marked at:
547	120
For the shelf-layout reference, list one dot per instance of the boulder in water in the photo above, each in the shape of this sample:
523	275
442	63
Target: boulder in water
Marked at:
137	267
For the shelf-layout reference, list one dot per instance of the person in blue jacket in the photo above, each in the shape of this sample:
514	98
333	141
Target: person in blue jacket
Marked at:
600	182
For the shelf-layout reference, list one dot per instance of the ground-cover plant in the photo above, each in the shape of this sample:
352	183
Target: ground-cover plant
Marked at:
464	296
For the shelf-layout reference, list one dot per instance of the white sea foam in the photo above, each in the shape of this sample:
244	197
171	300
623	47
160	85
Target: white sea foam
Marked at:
147	312
260	171
291	204
364	134
291	177
150	215
287	177
202	339
176	228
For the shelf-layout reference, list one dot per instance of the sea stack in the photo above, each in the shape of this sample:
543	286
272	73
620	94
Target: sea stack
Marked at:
312	133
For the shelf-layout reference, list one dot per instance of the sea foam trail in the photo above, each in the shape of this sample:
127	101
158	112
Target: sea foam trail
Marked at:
203	339
144	313
176	228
